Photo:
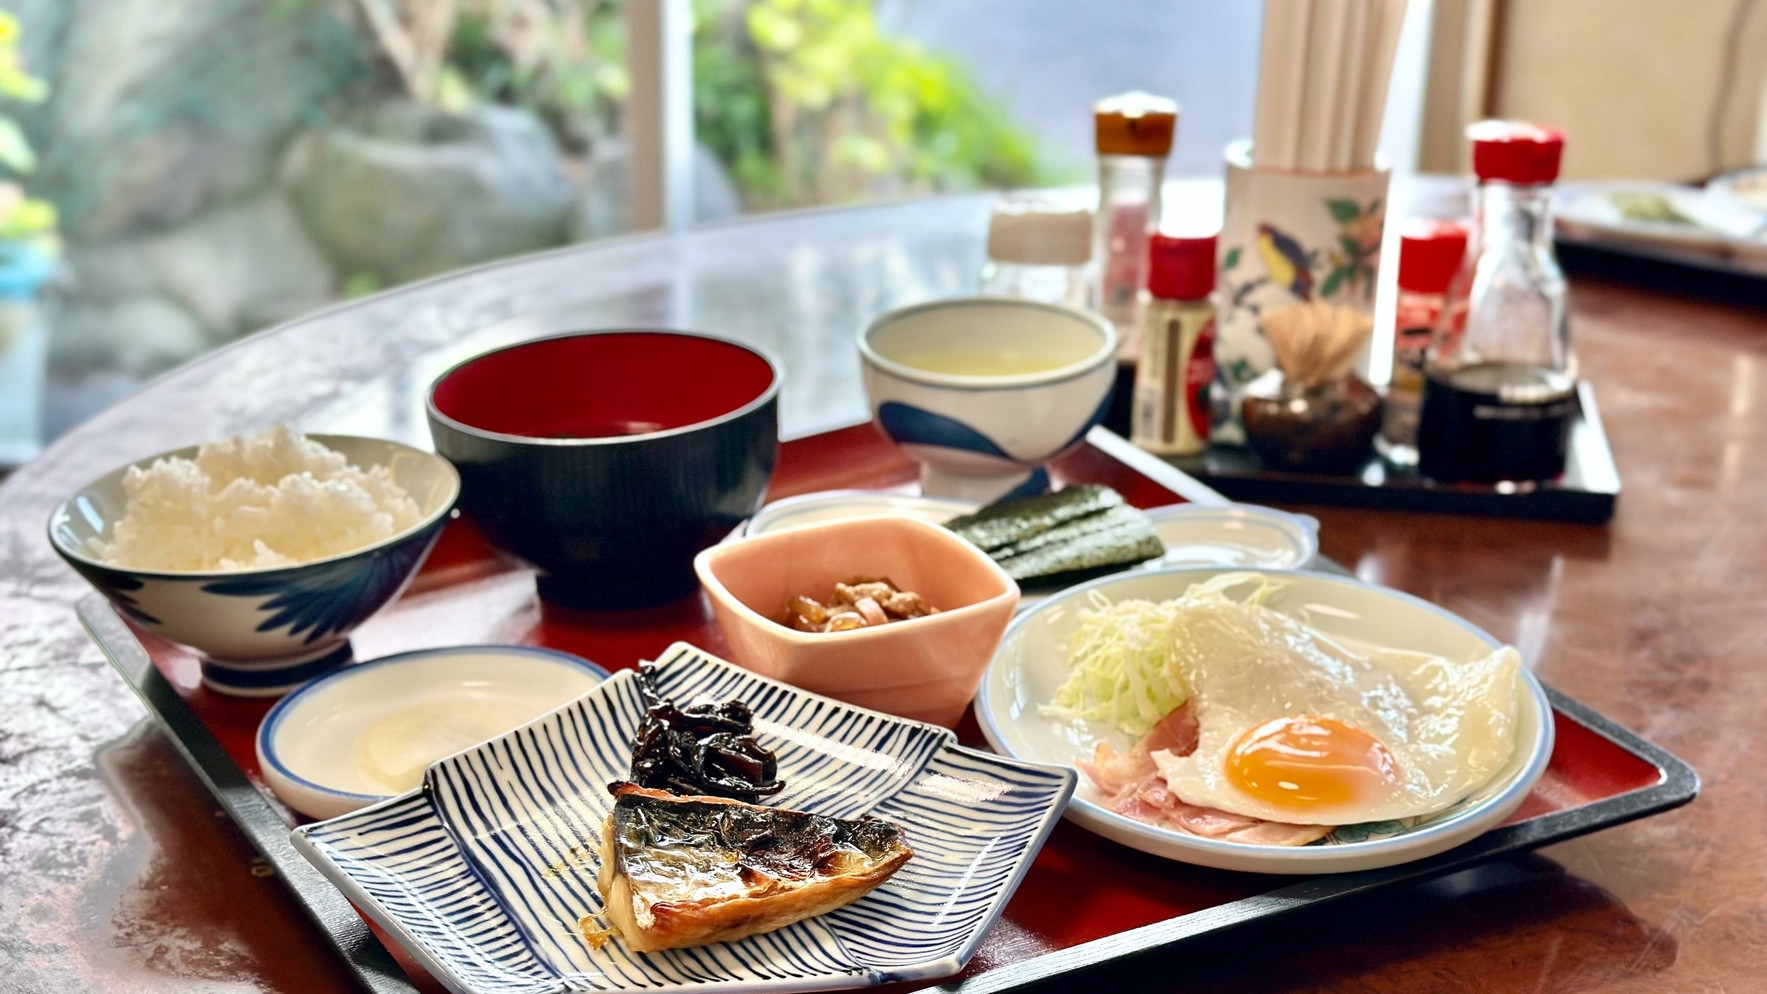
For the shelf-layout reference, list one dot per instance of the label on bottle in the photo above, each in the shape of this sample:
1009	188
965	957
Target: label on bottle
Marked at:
1415	319
1171	412
1122	272
1199	375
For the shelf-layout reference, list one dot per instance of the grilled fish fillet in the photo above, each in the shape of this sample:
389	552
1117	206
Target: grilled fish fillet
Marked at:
687	871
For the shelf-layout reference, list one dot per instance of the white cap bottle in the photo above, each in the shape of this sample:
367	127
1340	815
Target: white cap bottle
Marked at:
1038	250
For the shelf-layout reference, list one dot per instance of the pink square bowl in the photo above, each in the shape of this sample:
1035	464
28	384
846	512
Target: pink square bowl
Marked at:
926	669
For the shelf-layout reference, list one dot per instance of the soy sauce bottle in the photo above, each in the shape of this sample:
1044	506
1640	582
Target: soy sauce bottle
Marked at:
1500	392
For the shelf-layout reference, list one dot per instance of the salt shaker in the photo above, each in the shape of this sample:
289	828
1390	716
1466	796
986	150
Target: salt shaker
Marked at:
1133	133
1500	396
1038	250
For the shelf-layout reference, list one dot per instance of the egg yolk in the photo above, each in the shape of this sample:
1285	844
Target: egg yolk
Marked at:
1307	761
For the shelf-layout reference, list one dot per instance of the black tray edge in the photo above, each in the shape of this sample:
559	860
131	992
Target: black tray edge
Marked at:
366	958
1679	785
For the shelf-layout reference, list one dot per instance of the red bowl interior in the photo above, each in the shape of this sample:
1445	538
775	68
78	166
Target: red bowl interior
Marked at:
603	385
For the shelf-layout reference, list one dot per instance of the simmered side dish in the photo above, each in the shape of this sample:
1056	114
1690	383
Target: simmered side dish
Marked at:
857	604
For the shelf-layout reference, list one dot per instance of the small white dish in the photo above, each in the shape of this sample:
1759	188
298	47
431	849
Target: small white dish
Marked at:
1032	662
841	505
1234	535
1239	535
319	746
483	874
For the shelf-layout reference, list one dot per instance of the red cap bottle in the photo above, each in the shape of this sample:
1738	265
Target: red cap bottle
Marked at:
1516	151
1430	253
1181	268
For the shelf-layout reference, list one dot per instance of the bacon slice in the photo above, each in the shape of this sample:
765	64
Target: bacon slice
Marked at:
1151	801
1113	772
1134	788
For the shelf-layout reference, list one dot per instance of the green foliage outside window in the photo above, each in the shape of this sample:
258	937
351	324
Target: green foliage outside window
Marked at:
807	102
22	218
804	101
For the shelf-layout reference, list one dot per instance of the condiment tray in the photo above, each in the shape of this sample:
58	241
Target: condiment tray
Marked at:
1587	491
1085	902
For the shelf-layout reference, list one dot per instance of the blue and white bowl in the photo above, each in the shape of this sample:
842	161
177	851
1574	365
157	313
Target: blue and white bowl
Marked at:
263	632
983	435
483	874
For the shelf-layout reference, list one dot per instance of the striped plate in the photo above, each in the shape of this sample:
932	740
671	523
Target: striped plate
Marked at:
485	872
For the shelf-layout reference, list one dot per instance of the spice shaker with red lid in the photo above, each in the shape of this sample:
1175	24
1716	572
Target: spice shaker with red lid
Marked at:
1134	134
1430	255
1177	365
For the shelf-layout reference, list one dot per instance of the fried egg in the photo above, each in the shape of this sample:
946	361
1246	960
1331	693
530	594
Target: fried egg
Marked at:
1296	727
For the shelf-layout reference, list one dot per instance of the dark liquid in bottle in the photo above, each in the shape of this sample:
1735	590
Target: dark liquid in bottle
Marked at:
1495	421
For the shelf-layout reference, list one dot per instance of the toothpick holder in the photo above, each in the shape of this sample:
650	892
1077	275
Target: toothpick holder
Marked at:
1287	238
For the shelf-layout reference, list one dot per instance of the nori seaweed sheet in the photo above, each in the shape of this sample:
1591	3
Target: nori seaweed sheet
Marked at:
1077	531
1127	540
1010	521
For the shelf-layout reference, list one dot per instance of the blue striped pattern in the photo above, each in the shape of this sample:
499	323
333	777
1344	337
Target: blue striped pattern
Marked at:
485	873
397	862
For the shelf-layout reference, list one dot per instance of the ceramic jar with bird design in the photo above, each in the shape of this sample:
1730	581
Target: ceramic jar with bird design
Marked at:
1289	238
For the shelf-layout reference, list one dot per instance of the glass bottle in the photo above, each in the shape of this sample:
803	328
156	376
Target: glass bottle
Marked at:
1038	250
1430	255
1500	394
1133	134
1177	364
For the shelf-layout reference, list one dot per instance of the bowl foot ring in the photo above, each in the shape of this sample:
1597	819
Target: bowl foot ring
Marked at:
272	678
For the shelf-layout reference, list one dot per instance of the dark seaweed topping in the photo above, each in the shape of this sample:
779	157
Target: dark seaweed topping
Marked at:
703	748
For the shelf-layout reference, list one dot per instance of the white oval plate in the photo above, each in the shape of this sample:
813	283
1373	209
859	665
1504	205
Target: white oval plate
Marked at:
1716	225
1194	534
840	505
307	744
1032	662
1234	535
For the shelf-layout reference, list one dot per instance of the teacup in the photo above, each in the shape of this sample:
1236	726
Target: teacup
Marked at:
983	391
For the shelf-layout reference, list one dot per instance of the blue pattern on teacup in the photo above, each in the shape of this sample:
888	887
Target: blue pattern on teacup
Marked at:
1096	419
909	425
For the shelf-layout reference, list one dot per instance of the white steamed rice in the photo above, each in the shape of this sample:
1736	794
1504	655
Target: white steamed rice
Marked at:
278	499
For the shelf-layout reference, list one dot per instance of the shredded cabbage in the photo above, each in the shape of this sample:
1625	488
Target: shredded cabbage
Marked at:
1121	655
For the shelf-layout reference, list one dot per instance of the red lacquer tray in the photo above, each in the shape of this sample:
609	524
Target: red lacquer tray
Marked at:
1085	903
